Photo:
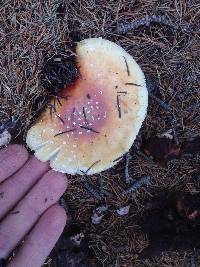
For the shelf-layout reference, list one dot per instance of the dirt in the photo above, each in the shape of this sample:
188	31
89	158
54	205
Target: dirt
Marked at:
163	37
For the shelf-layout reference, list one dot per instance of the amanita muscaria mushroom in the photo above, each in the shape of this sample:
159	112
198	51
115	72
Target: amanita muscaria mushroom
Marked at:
97	118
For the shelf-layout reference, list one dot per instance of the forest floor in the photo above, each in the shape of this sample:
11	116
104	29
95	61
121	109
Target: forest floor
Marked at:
164	38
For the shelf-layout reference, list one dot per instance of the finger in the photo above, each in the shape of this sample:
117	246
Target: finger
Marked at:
12	158
14	188
18	222
41	240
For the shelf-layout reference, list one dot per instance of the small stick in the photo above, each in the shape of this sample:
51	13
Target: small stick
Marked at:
161	103
51	115
60	118
127	67
122	92
59	101
88	128
135	84
84	114
52	109
119	158
144	180
68	131
88	96
55	97
102	190
54	102
96	162
92	191
118	107
73	112
127	176
146	21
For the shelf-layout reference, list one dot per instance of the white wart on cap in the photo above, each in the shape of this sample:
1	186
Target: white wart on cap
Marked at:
99	116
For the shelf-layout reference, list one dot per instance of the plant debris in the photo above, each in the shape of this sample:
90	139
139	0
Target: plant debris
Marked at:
127	66
119	106
165	106
143	181
93	164
99	193
92	191
146	21
129	179
123	210
32	34
171	222
89	129
58	72
8	124
98	214
135	84
5	138
68	131
163	148
192	146
72	250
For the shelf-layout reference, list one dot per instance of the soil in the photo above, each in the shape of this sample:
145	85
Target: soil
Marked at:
162	225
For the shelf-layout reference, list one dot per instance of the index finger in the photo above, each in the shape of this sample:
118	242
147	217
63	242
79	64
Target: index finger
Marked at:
12	158
39	243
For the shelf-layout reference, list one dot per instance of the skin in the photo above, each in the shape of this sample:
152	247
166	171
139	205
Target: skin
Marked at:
29	191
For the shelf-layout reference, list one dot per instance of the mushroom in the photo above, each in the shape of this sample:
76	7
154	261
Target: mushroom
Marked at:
96	119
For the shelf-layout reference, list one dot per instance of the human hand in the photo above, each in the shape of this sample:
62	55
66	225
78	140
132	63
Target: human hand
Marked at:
28	210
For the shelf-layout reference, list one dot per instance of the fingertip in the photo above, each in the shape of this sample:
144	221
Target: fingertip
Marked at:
57	217
12	158
41	239
37	164
56	180
19	151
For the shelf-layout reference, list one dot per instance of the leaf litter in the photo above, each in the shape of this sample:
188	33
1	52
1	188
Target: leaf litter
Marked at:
32	33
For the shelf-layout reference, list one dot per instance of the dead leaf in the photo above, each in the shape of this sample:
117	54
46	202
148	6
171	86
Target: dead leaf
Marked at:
191	147
161	149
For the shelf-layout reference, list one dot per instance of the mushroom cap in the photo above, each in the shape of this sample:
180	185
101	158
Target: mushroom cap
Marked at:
96	119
